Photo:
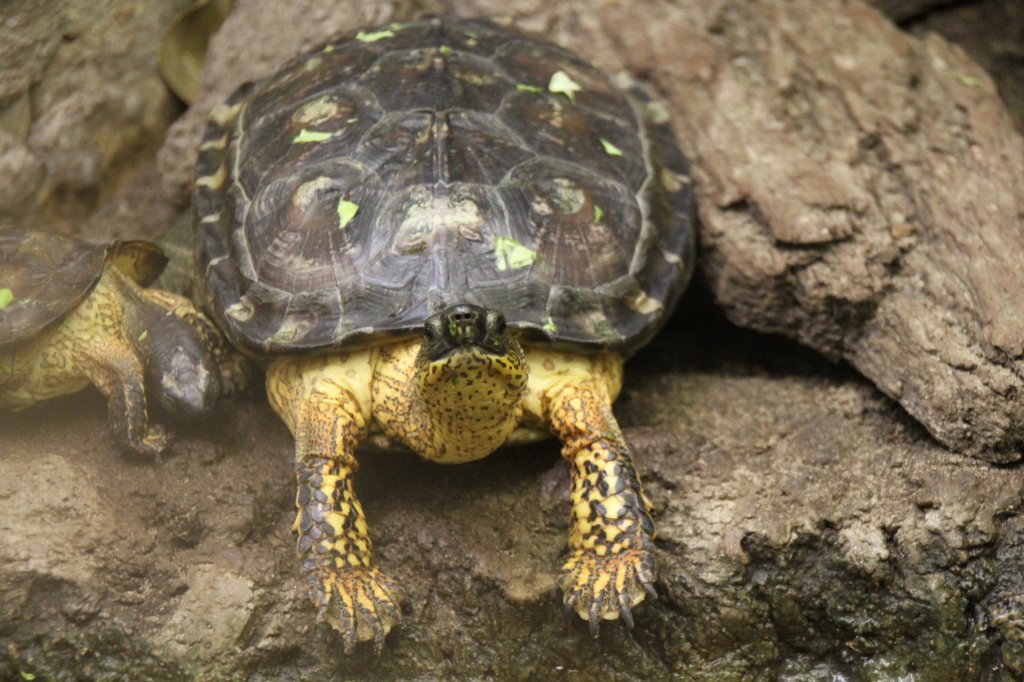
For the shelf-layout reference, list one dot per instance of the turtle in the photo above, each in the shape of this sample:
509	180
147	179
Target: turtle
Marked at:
446	236
74	313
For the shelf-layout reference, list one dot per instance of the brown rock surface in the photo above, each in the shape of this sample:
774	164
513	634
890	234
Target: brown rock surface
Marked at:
806	525
82	112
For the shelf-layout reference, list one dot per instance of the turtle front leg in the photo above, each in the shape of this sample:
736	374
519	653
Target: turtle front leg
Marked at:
325	402
99	340
611	565
118	374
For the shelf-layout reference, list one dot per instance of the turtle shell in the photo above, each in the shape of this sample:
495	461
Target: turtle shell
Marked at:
389	174
45	276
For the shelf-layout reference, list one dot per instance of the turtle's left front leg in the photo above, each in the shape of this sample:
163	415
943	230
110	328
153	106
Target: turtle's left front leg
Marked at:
611	565
325	402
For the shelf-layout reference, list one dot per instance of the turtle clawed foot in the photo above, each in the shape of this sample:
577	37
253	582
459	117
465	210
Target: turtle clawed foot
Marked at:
152	443
607	587
360	603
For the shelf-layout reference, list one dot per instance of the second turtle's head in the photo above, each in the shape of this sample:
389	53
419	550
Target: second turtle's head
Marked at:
181	370
466	341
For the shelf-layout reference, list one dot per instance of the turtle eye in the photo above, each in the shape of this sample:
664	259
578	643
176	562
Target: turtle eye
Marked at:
432	333
496	323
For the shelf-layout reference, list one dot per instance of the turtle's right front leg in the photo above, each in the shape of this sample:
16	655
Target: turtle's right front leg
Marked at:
325	401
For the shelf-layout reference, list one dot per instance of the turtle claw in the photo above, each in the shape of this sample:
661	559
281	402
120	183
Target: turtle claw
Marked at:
594	621
606	587
360	603
626	610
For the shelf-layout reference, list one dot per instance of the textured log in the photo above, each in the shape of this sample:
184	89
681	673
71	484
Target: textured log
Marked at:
862	196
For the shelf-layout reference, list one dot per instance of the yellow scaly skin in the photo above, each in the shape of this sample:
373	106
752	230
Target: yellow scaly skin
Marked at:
454	410
325	402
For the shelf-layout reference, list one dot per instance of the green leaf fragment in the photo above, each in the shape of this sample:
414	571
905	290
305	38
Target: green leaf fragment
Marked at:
374	36
311	136
143	335
27	676
603	328
964	79
561	83
346	212
511	255
524	87
550	326
6	296
609	148
445	49
657	113
598	213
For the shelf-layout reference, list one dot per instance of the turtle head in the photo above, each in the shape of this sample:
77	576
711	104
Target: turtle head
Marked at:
471	373
181	369
466	329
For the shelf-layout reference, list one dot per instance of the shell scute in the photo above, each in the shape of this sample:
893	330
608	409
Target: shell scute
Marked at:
481	149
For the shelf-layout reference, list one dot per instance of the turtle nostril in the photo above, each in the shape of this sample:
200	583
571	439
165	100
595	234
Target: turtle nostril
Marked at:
464	322
463	317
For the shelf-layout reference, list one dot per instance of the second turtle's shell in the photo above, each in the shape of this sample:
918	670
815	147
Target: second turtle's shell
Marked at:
45	276
392	173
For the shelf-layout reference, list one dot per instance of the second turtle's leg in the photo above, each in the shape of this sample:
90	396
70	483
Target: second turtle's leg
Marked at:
325	401
96	339
118	374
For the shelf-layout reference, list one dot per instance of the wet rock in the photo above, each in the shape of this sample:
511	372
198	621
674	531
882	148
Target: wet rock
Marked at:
210	618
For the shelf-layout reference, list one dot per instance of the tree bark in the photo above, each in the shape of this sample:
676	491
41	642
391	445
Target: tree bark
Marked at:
860	191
